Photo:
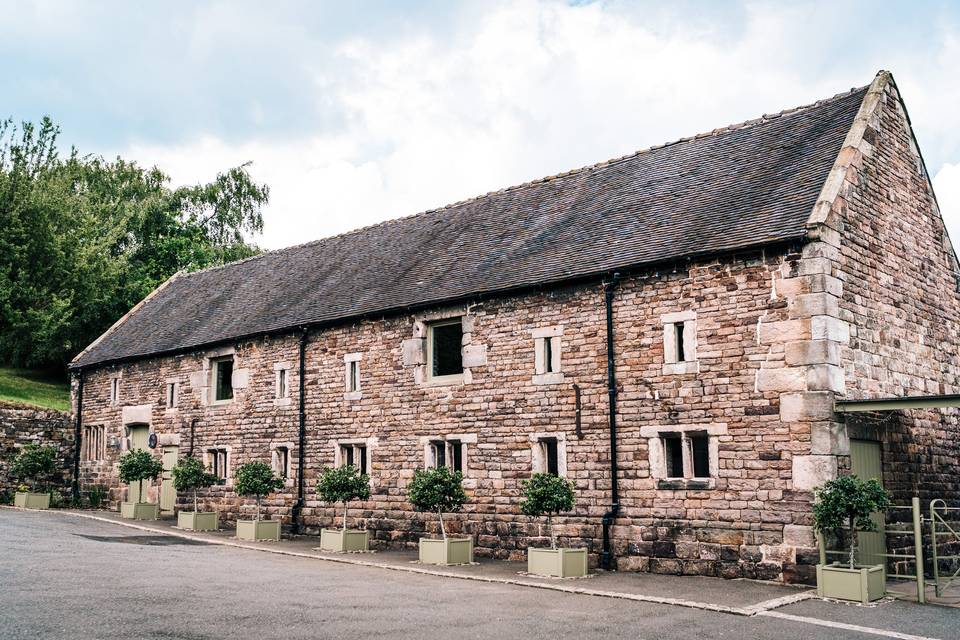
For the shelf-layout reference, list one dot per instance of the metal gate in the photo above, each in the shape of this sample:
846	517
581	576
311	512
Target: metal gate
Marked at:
944	533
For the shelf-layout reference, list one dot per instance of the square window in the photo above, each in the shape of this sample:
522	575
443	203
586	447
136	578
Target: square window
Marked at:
700	448
673	455
172	395
445	349
223	379
354	455
219	461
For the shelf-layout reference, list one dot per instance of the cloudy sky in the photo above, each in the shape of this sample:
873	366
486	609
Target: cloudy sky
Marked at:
361	111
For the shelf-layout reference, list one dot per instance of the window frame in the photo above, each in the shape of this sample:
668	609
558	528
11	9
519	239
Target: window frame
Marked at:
657	453
115	390
94	443
448	444
680	343
367	445
352	377
431	351
212	458
215	364
172	395
548	350
540	444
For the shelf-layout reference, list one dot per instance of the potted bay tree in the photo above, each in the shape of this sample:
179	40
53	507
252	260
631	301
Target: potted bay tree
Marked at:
34	465
189	474
549	495
843	507
344	484
437	491
257	479
136	467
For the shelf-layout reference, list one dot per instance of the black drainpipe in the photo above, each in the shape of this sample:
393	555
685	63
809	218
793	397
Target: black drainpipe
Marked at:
302	442
606	557
77	434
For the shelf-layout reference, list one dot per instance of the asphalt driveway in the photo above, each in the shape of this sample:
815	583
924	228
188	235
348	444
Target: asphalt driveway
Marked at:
67	577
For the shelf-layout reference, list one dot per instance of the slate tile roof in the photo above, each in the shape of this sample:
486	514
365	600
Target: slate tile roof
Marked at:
736	187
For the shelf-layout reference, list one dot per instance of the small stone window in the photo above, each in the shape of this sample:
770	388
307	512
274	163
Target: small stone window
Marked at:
115	390
547	361
680	343
445	349
94	446
218	462
351	372
549	453
354	455
172	394
673	454
283	385
446	453
222	379
684	456
281	460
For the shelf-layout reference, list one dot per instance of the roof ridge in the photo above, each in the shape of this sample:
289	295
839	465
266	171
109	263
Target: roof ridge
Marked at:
738	126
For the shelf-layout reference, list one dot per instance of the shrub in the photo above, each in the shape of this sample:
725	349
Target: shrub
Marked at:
96	496
256	479
139	465
343	484
847	503
35	464
438	490
189	474
547	495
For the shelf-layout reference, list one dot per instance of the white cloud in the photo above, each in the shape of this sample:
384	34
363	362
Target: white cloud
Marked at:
946	183
519	91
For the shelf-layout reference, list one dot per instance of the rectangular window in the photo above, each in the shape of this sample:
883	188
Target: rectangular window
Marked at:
550	453
219	463
548	355
281	461
94	443
282	390
354	455
353	376
455	457
114	390
438	454
223	379
673	455
172	395
681	353
700	448
445	348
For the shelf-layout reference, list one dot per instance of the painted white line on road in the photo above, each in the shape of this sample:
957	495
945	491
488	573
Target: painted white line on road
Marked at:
843	625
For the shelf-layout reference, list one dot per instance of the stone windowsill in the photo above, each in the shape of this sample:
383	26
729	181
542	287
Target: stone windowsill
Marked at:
353	395
686	484
455	380
678	368
282	402
548	378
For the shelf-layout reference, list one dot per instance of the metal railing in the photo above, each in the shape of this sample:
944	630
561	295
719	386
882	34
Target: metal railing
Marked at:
939	508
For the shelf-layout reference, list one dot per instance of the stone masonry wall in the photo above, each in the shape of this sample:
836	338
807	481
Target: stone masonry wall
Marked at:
749	520
22	424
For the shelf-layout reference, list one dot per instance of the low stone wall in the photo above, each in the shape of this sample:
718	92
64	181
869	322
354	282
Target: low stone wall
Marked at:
23	424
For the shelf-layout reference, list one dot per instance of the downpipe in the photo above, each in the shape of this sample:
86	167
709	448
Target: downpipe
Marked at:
297	510
606	556
77	435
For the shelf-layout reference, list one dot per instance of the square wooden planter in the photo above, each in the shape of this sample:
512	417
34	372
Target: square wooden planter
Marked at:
559	563
139	510
861	584
449	551
258	530
198	520
343	541
26	500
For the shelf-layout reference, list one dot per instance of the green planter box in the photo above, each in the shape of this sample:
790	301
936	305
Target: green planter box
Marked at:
26	500
342	541
198	520
559	563
258	530
449	551
861	584
139	510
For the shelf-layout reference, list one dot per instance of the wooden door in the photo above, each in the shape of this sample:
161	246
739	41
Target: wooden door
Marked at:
866	463
139	436
168	493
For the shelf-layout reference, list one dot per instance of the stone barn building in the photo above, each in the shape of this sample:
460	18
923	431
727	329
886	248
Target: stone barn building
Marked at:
672	330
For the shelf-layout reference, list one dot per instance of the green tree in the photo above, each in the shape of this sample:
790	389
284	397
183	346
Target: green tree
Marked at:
83	239
35	464
437	490
139	465
343	484
549	495
846	503
189	474
256	479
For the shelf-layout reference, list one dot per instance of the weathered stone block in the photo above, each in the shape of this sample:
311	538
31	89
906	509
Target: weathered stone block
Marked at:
808	305
798	535
829	438
475	355
805	352
414	352
803	407
825	377
812	471
783	331
782	379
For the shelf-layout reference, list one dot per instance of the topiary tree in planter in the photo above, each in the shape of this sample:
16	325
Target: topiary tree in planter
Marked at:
440	491
34	465
136	466
844	506
189	474
344	484
549	495
257	479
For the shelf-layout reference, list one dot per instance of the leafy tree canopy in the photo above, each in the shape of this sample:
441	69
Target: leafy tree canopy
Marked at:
439	490
139	465
343	484
189	474
546	494
34	463
847	503
83	239
256	479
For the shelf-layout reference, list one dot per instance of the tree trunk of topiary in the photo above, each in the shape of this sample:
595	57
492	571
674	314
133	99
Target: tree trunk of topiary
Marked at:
344	515
139	490
195	507
553	538
258	507
443	530
853	542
